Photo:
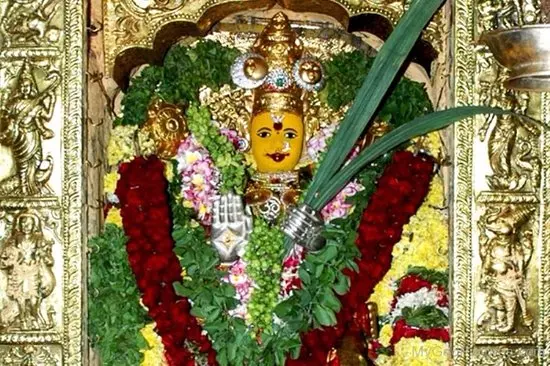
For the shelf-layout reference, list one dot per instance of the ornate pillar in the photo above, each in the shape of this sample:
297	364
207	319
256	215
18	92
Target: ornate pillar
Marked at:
500	268
41	191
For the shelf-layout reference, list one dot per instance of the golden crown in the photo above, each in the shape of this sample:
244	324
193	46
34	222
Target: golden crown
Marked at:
277	69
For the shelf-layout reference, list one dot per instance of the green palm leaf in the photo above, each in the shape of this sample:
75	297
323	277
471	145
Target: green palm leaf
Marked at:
416	127
384	70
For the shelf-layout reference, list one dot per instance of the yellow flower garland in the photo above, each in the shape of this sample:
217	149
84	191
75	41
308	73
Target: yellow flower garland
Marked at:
121	145
154	355
113	217
424	243
385	335
126	142
416	352
109	182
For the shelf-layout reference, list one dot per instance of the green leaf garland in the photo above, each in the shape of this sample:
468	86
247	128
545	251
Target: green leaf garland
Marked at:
115	316
264	257
344	75
229	162
185	70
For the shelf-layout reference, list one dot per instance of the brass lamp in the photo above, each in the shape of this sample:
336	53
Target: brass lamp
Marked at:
525	52
520	43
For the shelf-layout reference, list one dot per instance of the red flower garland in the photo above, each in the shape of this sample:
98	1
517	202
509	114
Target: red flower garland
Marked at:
400	192
145	210
403	330
413	283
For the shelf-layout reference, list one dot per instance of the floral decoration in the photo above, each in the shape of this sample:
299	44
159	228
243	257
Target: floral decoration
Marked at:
264	309
400	191
238	277
199	179
146	217
153	355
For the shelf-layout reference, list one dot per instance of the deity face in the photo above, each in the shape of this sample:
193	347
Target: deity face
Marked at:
26	87
26	225
310	72
255	68
276	139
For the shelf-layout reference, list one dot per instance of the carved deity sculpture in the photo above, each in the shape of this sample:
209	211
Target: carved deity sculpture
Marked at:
280	76
510	144
22	129
26	259
508	14
29	22
505	254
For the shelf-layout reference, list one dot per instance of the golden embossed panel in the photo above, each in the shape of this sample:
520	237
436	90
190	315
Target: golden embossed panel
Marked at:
41	80
499	265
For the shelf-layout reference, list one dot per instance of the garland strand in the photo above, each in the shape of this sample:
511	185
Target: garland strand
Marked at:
113	291
185	70
227	160
264	256
146	217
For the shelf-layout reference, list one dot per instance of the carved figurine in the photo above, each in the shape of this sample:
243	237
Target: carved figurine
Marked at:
505	256
29	22
22	129
510	154
26	258
508	14
280	75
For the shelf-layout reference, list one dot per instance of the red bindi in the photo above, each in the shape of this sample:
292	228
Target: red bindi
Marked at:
277	122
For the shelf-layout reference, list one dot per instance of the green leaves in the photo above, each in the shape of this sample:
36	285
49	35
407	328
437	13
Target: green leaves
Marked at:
344	74
323	315
189	68
178	80
439	278
425	317
391	140
136	101
115	316
377	83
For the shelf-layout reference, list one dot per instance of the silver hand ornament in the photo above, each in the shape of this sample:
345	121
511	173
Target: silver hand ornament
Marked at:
231	227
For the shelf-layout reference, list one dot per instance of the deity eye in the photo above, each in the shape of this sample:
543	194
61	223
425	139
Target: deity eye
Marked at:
264	133
291	133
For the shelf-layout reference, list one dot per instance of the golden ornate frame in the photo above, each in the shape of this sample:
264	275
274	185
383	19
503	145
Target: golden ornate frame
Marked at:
488	194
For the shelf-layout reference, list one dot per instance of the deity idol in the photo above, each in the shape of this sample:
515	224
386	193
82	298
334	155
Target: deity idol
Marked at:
280	75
